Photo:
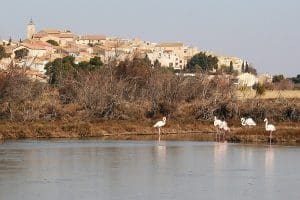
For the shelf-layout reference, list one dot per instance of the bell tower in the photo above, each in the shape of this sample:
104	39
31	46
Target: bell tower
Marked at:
30	29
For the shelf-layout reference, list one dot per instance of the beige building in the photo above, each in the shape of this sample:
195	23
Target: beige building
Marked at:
76	50
61	37
36	48
91	39
174	55
167	59
226	60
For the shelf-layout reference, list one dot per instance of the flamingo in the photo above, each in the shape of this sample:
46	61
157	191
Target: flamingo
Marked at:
269	127
160	124
225	128
248	122
217	124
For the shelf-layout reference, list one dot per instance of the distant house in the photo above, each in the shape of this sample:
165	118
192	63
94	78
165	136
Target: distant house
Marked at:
34	64
39	66
91	39
167	59
247	80
36	48
71	51
224	61
177	51
76	49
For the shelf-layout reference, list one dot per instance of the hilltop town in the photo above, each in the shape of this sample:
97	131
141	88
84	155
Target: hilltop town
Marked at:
48	44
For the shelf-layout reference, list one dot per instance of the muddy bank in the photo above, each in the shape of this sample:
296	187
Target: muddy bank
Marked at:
130	130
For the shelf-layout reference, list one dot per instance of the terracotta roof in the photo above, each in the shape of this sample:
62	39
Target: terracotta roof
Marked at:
40	35
175	44
34	46
56	33
46	44
38	45
66	35
93	37
51	31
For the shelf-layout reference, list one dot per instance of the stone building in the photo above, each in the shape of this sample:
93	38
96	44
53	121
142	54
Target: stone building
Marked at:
30	29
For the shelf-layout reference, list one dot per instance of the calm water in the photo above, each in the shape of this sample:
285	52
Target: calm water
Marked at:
91	169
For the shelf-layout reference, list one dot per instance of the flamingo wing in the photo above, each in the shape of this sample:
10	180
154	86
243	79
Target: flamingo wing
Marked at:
272	127
250	122
217	122
159	124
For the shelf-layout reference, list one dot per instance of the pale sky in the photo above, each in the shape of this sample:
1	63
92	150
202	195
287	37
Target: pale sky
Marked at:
264	32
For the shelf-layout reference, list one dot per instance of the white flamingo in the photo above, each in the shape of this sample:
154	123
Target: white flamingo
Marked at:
225	128
217	124
160	124
248	122
269	127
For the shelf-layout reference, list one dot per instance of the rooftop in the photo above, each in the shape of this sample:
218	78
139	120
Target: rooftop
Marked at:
93	37
174	44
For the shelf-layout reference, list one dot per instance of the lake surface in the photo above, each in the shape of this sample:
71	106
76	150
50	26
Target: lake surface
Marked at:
96	169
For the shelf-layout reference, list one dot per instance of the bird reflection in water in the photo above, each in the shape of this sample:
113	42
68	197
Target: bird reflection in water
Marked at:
220	151
161	149
269	161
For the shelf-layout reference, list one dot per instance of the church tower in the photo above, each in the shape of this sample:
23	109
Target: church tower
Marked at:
30	29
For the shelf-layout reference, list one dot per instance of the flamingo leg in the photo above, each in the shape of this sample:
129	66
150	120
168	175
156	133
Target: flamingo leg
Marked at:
256	136
270	137
159	131
223	136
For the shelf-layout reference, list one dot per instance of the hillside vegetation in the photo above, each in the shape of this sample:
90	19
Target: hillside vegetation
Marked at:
129	91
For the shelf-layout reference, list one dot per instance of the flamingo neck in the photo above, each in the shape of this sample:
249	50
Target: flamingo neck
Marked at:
266	123
243	122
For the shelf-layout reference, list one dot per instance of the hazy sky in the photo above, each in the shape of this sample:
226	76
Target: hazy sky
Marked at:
265	32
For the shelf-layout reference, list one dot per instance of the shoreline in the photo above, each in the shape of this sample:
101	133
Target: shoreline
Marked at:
287	133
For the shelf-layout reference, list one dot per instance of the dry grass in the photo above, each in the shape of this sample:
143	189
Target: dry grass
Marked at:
289	94
135	130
